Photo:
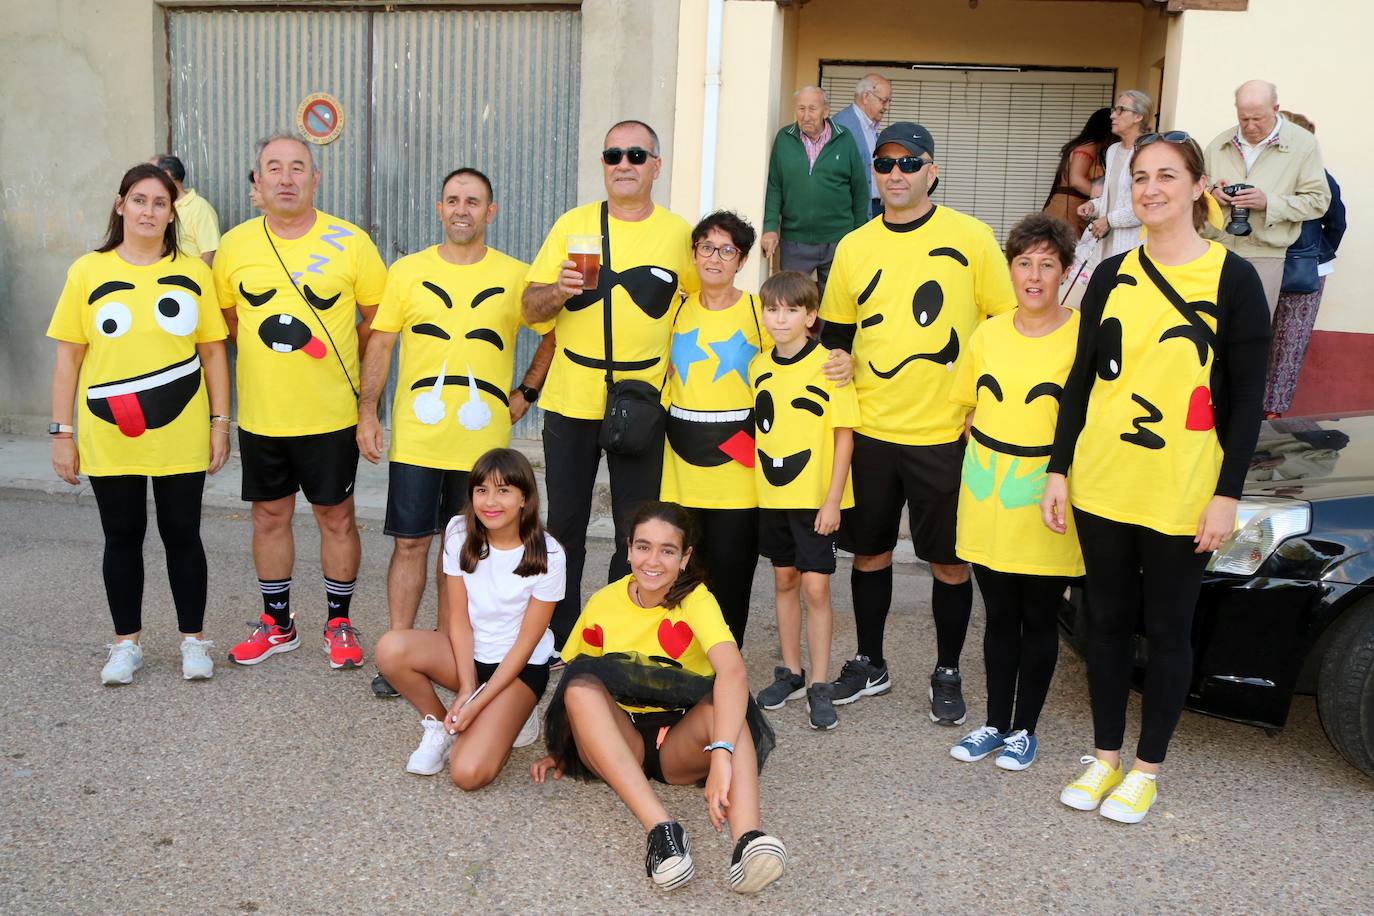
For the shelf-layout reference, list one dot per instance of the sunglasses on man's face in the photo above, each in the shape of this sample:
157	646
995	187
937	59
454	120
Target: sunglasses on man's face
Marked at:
638	155
909	165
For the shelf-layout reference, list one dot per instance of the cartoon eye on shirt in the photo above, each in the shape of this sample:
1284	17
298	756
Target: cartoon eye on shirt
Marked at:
154	398
795	422
927	306
990	420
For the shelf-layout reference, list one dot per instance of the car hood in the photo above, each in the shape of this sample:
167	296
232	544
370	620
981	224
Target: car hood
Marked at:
1314	458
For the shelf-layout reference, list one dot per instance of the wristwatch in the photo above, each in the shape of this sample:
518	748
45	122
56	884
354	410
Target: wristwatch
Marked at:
56	428
529	394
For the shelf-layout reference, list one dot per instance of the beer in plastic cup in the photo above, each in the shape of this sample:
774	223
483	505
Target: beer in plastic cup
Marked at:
585	252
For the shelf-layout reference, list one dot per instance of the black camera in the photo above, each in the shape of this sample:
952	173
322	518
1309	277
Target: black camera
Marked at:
1240	216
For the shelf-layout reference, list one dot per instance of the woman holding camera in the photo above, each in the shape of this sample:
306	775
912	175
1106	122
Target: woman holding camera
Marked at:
1156	428
1114	221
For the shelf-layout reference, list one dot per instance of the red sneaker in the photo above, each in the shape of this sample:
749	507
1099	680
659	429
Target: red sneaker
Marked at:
341	644
266	640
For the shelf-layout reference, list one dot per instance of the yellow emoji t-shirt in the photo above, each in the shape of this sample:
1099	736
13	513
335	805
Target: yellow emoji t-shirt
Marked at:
298	352
915	294
796	412
708	458
141	401
1149	453
651	267
612	622
1014	382
457	325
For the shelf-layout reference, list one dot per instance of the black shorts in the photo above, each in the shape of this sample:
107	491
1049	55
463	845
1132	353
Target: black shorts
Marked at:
788	537
650	726
886	475
420	501
324	466
535	677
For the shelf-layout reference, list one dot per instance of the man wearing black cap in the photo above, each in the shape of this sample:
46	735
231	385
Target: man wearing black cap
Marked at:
905	293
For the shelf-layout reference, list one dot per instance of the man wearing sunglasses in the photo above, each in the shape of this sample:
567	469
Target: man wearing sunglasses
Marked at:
905	293
817	189
863	119
646	269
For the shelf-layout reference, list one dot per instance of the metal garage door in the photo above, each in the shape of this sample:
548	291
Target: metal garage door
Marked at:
422	93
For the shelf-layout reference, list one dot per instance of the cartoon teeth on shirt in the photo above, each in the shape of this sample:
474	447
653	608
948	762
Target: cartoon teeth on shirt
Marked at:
652	289
154	398
803	420
710	439
891	347
283	333
428	405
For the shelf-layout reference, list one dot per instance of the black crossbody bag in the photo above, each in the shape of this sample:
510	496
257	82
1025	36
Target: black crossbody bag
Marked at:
635	418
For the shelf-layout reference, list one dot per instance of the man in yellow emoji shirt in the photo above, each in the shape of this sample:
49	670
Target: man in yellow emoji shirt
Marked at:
905	293
455	307
293	283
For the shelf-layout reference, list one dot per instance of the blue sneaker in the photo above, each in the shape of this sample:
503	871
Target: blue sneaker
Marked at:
977	744
1019	752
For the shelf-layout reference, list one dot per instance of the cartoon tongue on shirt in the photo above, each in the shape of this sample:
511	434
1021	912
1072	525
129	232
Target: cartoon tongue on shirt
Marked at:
147	401
286	334
474	414
429	404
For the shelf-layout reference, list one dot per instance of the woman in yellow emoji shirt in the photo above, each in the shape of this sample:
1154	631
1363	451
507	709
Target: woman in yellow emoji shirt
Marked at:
655	688
141	368
1156	428
1012	376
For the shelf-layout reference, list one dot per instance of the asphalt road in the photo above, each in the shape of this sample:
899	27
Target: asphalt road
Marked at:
280	789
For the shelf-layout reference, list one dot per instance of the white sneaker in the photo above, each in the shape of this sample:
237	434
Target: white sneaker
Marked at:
430	757
196	664
529	732
126	657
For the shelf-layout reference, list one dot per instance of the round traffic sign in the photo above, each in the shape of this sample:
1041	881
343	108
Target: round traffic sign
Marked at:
320	118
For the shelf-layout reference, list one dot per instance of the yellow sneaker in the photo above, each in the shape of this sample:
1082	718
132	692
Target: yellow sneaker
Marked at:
1132	799
1085	793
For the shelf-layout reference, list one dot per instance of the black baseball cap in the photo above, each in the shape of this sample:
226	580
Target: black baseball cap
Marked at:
914	138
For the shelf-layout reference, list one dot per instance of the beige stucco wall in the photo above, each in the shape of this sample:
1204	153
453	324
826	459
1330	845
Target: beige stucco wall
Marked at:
1310	51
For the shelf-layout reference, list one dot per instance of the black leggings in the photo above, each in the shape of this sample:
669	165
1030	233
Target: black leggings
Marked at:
123	505
571	457
1130	565
1020	644
728	542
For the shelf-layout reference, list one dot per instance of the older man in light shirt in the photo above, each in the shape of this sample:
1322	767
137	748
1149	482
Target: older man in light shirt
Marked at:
1283	165
863	119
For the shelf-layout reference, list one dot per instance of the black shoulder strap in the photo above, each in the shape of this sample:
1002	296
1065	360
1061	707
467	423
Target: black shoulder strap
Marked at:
606	300
754	313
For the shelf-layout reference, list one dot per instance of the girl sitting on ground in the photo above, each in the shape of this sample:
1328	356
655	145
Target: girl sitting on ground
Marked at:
655	688
505	576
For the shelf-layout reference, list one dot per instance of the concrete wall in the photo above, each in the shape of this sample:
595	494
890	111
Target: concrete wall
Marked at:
79	96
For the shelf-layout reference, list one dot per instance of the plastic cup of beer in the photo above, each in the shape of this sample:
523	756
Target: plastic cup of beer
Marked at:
585	252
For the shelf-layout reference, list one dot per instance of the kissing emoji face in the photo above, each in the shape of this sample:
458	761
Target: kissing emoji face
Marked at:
154	397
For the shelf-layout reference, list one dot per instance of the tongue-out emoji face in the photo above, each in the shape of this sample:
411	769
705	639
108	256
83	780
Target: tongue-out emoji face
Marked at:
153	398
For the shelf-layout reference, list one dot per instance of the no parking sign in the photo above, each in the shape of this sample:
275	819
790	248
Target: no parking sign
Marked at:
320	118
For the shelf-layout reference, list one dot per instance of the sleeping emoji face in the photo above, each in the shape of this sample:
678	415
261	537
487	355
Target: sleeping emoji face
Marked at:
913	327
283	333
150	328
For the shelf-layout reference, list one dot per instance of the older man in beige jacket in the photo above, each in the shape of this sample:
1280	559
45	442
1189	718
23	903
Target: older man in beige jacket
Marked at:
1283	164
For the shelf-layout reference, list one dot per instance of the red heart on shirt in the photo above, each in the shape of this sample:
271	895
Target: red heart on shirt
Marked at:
674	637
594	635
1200	415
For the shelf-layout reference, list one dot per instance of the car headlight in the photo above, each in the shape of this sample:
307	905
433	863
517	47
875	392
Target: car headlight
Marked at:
1262	524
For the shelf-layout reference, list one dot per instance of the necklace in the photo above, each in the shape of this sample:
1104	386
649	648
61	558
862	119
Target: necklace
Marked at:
635	596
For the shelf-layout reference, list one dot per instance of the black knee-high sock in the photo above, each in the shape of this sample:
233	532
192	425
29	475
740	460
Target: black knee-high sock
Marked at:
338	596
872	600
952	606
276	600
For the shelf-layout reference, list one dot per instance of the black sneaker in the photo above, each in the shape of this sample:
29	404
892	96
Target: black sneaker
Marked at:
381	687
860	678
758	861
947	697
820	703
667	861
786	685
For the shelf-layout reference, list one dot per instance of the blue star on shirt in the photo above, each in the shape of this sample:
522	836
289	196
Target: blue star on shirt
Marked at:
734	355
685	352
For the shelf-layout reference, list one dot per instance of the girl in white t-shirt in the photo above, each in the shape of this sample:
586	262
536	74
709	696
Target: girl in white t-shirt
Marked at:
505	574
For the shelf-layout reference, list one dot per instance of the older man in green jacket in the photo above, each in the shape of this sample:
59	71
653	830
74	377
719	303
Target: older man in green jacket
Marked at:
817	189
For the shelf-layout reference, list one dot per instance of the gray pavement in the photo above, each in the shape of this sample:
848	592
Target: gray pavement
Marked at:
280	789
